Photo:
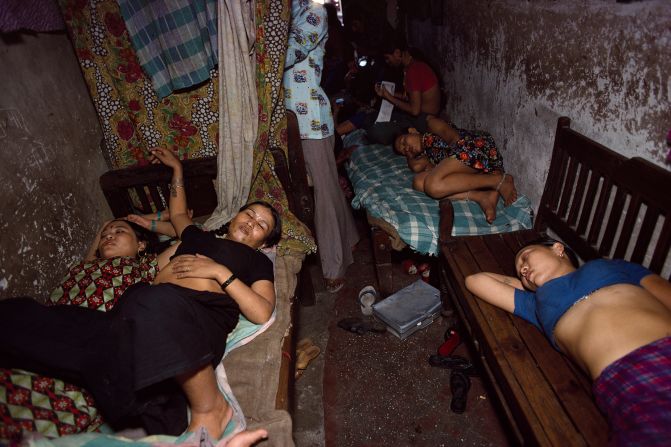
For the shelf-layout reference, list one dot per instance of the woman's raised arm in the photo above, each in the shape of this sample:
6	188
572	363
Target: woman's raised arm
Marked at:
179	214
498	290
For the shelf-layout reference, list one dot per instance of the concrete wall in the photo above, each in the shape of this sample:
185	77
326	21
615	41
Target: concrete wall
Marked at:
512	67
50	161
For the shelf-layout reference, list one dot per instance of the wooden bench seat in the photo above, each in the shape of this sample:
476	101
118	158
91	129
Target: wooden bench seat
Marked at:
602	205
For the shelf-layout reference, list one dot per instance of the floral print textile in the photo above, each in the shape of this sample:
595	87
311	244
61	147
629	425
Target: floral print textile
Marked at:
475	149
133	119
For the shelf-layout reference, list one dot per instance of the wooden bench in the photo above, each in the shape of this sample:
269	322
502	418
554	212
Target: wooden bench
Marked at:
602	205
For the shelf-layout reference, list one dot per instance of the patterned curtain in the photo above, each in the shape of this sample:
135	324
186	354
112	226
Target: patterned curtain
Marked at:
134	120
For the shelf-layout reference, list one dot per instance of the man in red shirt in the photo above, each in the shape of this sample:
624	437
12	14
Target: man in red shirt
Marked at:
420	96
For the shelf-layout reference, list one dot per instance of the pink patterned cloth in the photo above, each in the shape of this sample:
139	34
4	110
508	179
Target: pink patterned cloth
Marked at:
635	393
30	15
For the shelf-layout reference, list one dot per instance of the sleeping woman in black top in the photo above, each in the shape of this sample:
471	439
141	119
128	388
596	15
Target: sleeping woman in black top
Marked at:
170	332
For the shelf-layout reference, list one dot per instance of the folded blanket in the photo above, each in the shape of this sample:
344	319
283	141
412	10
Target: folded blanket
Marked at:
382	185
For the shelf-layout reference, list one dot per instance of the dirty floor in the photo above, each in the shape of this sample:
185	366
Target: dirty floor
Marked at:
376	390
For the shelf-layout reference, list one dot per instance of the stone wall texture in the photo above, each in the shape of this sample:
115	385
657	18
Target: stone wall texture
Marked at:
512	67
50	162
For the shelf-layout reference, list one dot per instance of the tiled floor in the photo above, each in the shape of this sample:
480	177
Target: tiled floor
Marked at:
376	390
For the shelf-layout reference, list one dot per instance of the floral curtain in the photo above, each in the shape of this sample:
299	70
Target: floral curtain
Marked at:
134	120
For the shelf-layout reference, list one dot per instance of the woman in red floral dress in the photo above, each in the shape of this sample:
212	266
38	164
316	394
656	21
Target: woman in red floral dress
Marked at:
457	164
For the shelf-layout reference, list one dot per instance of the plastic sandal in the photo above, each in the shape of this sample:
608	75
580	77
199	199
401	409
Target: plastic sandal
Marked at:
304	357
459	385
334	285
360	327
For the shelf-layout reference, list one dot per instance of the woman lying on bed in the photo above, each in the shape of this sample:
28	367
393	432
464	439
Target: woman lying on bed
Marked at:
121	254
457	164
163	337
612	317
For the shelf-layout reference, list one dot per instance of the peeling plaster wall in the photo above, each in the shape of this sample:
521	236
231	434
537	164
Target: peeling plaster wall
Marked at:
50	162
513	67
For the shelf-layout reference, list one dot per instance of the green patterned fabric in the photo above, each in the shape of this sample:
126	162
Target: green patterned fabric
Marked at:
382	185
99	284
175	40
34	403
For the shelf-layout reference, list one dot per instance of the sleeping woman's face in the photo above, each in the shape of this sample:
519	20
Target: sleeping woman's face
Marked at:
538	264
119	239
409	144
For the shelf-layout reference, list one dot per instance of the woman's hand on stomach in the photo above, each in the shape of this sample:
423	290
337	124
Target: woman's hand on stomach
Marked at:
196	272
611	323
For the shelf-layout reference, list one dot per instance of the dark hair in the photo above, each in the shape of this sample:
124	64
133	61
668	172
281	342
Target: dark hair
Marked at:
143	235
549	242
275	235
392	43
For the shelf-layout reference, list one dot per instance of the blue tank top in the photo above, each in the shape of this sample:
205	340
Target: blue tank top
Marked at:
546	306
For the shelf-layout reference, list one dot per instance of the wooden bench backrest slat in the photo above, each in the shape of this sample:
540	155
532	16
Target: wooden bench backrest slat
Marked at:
661	252
599	211
568	186
648	186
579	197
644	236
590	195
150	183
612	223
631	213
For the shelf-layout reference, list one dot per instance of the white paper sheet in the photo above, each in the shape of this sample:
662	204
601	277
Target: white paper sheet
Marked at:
386	107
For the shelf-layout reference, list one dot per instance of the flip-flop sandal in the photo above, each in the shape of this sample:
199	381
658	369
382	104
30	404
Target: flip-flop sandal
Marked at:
334	285
459	385
303	344
449	362
304	357
453	362
367	297
358	326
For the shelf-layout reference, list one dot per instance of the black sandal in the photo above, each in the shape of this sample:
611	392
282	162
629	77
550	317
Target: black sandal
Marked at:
460	383
453	362
359	326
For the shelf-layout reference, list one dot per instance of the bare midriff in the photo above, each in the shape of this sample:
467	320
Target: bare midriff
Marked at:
609	324
431	101
166	275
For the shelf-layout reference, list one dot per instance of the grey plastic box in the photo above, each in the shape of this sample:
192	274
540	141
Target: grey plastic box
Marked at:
410	309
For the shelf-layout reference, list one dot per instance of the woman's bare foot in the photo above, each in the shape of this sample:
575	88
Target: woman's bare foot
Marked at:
487	201
215	420
507	189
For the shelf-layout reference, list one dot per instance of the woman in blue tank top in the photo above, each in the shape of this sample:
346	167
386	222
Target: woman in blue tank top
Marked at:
612	317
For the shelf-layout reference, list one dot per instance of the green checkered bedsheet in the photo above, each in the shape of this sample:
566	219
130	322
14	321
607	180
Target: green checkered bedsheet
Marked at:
383	187
175	41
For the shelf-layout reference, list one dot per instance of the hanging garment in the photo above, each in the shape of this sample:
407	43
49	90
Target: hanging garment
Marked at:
175	40
238	109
